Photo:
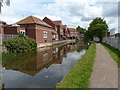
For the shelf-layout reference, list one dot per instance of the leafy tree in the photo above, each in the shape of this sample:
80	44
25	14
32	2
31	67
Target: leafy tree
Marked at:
7	2
20	44
98	27
82	30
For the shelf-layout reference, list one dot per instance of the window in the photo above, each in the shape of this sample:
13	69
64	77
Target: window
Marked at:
44	34
45	56
23	32
42	23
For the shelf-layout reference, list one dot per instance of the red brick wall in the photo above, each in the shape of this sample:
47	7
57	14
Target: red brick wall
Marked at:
36	32
30	30
39	33
10	30
2	30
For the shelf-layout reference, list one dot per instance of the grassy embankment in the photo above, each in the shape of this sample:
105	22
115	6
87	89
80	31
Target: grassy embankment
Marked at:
79	76
115	53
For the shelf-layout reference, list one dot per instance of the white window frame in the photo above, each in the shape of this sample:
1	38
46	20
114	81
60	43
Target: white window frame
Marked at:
44	34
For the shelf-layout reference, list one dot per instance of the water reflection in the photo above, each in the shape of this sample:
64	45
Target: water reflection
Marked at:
31	63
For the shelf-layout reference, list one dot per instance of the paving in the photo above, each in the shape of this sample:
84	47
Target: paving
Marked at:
105	70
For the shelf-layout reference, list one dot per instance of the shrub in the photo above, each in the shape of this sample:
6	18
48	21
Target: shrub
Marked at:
20	44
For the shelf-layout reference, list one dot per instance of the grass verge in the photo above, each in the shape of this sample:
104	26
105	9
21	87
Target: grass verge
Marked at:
79	76
115	53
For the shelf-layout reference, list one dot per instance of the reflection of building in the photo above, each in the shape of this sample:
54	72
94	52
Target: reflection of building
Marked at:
72	47
33	63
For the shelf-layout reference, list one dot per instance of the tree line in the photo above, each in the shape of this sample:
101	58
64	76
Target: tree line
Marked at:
97	28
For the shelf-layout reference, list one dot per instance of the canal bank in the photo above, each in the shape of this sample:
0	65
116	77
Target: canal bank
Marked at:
79	75
41	69
46	44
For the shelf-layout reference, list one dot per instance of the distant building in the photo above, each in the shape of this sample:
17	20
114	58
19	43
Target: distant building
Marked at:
44	30
59	29
13	30
53	25
2	23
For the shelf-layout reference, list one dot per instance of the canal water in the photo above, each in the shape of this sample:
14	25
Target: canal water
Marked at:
41	69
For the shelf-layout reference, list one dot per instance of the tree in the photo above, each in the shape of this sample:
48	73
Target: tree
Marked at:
7	2
82	30
98	27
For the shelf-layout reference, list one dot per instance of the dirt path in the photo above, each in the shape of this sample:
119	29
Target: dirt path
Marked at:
105	70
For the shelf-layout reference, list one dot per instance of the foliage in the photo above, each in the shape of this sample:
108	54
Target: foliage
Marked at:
20	44
77	40
97	28
115	53
82	30
20	61
21	35
79	76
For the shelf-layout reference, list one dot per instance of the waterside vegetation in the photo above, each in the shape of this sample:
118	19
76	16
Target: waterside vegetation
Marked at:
115	53
79	76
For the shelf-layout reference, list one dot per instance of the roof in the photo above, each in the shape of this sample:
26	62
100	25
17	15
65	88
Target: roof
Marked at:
49	20
58	22
32	20
72	29
64	26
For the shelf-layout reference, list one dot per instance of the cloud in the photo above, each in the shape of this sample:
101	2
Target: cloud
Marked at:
109	9
72	13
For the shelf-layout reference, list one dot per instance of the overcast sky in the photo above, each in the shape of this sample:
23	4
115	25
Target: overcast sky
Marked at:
71	12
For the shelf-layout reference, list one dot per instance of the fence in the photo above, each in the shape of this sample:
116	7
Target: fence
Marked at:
6	36
112	41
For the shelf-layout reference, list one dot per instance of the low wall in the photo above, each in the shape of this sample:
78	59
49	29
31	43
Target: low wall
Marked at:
39	45
114	42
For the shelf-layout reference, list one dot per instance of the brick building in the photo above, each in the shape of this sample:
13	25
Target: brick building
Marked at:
59	29
13	30
37	29
2	23
44	30
53	25
72	33
64	29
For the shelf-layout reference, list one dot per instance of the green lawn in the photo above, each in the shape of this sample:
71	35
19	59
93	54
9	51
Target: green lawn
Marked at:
115	53
81	72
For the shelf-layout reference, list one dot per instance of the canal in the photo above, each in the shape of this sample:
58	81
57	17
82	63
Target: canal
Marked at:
41	69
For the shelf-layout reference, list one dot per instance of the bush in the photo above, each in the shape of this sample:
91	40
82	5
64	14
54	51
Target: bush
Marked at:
20	44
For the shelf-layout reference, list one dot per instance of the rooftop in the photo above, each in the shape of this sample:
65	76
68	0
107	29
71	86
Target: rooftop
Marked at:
72	29
32	20
58	22
49	20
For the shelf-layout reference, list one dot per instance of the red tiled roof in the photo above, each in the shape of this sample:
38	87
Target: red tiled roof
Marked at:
72	29
31	20
64	26
7	25
49	20
58	22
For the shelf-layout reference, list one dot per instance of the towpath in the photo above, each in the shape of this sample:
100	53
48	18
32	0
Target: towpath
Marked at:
105	70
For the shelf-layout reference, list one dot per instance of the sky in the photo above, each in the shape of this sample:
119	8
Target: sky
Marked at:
73	13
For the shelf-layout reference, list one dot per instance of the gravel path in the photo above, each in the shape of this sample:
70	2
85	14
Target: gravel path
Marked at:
105	70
